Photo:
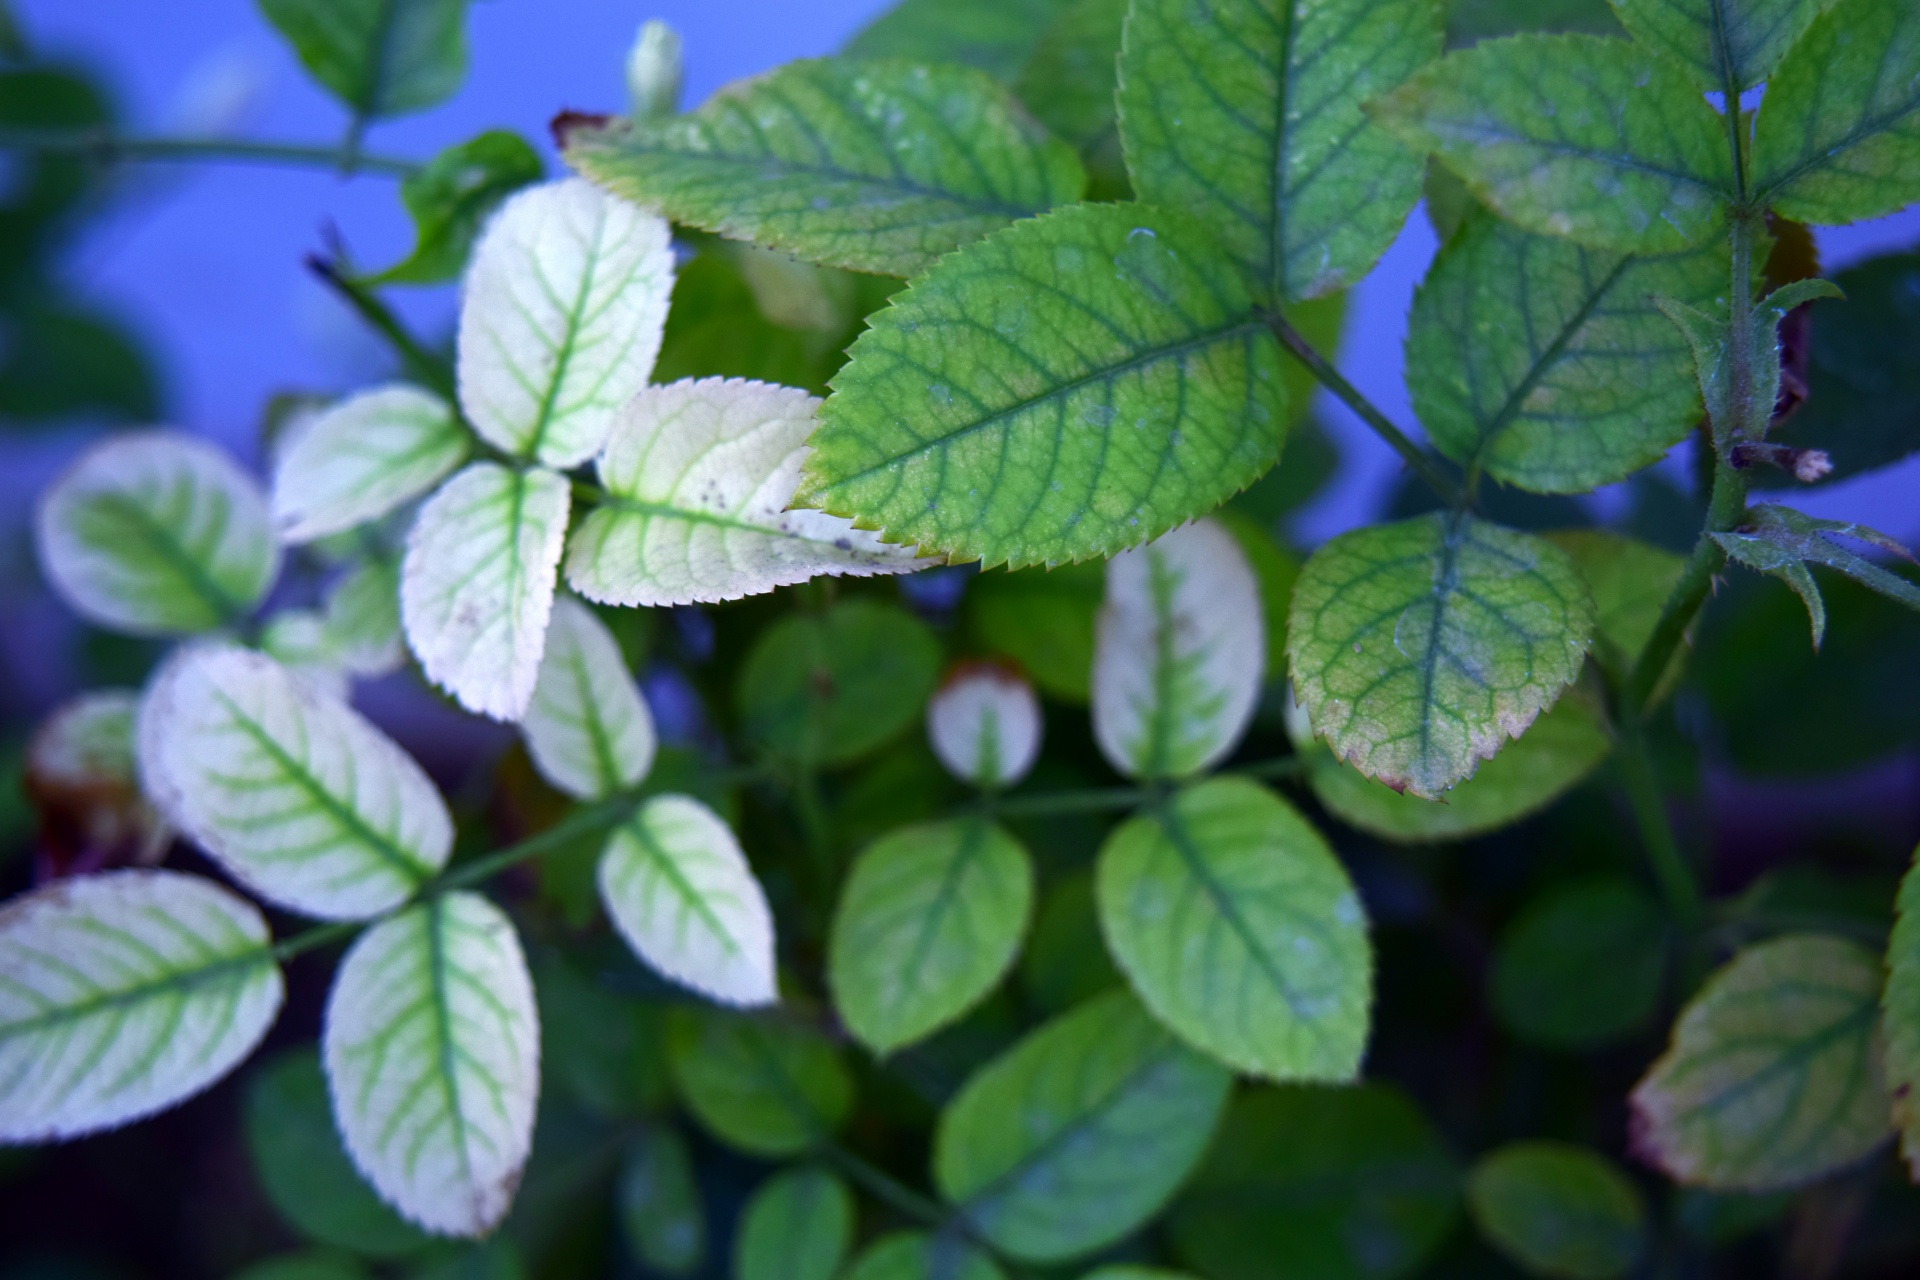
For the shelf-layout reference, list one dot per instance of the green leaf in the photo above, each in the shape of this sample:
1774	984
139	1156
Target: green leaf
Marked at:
362	458
682	896
125	994
1837	138
698	476
1471	21
994	35
452	196
602	1048
432	1050
1581	966
380	57
1723	44
1558	1210
307	1177
1773	1077
769	1086
1240	930
1420	647
1078	1133
1863	393
1349	1183
1072	386
1900	1017
1546	364
1784	542
984	725
1135	1273
915	1255
1630	582
797	1226
1043	619
1275	567
929	922
1574	136
829	688
316	1264
64	361
157	533
873	166
476	586
588	730
1247	114
1068	83
1558	751
290	790
1739	409
661	1217
561	316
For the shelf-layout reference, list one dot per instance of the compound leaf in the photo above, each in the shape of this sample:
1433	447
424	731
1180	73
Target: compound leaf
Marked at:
1078	1133
157	533
1900	1017
1346	1183
291	790
588	729
1774	1076
768	1086
476	585
432	1051
1240	930
682	895
1546	364
452	196
362	458
874	166
561	319
698	478
1723	44
1837	138
380	57
1179	651
1247	114
1069	387
797	1226
1420	647
125	993
1575	136
929	922
1784	542
984	724
307	1177
1558	1210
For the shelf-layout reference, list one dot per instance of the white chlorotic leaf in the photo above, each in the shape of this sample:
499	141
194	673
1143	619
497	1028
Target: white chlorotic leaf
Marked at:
698	476
80	764
588	730
123	994
362	458
291	791
681	893
476	587
432	1050
1179	647
157	533
984	724
362	618
565	304
298	640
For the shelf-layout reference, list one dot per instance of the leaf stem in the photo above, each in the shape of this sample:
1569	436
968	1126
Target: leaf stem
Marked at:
1423	463
1678	885
430	368
1050	803
104	146
884	1187
606	813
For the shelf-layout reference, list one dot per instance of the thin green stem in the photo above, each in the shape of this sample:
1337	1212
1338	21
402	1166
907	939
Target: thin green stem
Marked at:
1678	886
1424	464
596	817
318	936
884	1187
1050	803
425	365
1726	510
106	147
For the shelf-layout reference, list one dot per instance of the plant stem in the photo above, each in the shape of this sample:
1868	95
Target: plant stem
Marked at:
606	813
884	1186
104	146
1049	803
1423	463
1678	885
1727	510
422	363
